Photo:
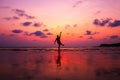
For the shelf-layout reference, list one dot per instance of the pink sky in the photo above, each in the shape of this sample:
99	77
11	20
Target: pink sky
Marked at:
37	22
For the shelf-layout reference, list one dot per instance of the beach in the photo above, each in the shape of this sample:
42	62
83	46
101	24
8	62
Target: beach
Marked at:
85	63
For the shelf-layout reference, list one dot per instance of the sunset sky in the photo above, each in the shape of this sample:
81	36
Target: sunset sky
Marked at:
35	23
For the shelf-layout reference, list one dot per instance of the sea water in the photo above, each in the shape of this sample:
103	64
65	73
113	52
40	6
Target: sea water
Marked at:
85	63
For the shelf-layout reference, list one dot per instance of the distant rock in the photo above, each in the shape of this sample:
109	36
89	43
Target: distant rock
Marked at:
110	45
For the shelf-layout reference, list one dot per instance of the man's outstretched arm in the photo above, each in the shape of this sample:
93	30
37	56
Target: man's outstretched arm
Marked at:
60	34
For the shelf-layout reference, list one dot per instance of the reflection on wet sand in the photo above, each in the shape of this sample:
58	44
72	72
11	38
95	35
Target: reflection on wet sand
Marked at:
58	60
71	65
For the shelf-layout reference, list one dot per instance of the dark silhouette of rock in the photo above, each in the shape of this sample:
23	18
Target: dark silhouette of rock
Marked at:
110	45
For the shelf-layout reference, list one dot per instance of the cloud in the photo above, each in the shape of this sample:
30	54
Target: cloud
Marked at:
27	34
96	32
7	35
22	13
75	25
2	34
90	37
12	35
7	18
40	34
4	7
26	23
97	12
30	17
37	24
101	22
106	21
67	26
15	17
77	3
11	18
17	31
68	33
80	36
114	37
70	26
46	30
19	11
88	32
116	23
49	33
37	33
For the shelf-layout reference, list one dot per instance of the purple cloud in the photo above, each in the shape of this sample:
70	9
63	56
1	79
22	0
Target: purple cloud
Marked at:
22	13
27	34
26	23
116	23
114	37
30	17
77	3
46	30
102	22
4	7
49	33
19	11
12	35
96	32
11	18
37	24
7	18
40	34
17	31
88	32
15	17
90	37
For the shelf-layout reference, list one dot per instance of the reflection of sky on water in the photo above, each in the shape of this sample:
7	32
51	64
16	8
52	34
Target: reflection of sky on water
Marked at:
67	64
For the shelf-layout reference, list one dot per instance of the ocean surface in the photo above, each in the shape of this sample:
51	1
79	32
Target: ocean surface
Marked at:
85	63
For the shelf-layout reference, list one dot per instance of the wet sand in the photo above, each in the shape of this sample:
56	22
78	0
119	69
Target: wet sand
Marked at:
65	64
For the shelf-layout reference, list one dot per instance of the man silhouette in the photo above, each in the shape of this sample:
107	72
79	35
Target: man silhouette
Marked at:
58	40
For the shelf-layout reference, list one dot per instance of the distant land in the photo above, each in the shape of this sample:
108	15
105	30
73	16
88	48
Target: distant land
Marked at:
110	45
